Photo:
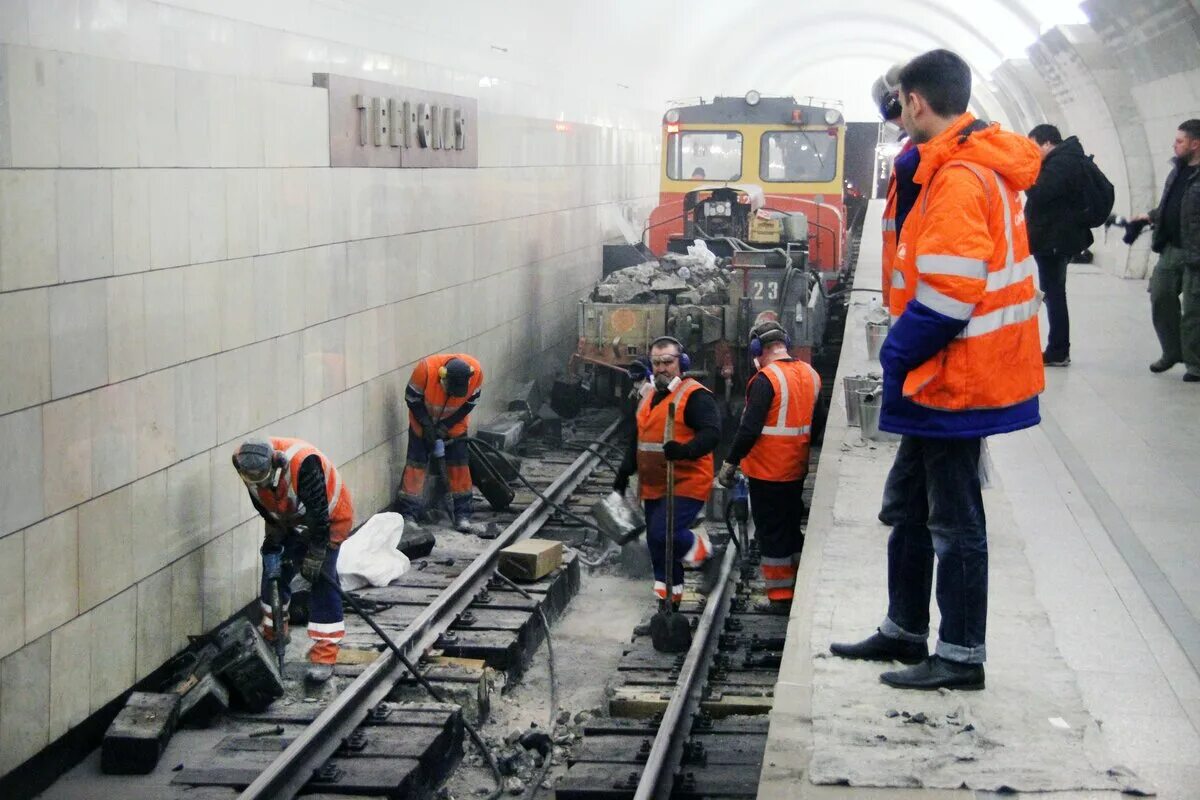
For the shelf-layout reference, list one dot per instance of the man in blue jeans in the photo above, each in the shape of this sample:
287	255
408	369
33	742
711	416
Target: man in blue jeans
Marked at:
962	362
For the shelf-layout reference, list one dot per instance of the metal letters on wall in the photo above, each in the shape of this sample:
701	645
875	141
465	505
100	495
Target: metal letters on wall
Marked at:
374	124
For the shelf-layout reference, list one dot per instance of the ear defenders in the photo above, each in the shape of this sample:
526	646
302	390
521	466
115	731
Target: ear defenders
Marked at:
765	334
443	372
886	93
685	362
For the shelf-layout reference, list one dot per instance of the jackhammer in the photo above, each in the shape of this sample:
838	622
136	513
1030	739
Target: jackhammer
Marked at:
273	573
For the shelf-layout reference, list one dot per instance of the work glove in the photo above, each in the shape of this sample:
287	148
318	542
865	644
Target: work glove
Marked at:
429	435
621	483
273	536
314	559
675	450
727	475
442	432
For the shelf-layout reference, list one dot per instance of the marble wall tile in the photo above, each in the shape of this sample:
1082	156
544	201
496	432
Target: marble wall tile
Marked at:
28	229
154	645
241	211
32	81
105	547
131	220
217	581
249	109
24	703
195	406
320	207
51	573
189	505
186	596
24	349
166	335
169	237
246	562
114	627
126	326
230	501
156	439
114	436
288	381
150	529
223	124
70	675
207	219
78	110
12	592
116	108
238	306
85	225
192	114
78	339
157	134
21	501
202	293
234	414
67	445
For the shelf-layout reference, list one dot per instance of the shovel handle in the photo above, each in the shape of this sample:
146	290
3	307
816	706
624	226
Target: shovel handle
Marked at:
669	555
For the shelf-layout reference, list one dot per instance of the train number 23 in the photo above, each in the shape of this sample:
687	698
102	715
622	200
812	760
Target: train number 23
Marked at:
764	290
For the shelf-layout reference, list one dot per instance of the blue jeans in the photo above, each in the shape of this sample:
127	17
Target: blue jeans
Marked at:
686	511
934	503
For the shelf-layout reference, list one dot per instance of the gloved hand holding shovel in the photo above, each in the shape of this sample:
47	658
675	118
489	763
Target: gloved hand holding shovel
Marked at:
670	631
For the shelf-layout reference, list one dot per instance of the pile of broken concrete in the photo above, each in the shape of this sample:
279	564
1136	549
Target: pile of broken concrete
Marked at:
684	279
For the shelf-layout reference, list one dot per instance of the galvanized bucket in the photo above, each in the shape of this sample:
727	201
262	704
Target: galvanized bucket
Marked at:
618	519
876	333
851	385
869	403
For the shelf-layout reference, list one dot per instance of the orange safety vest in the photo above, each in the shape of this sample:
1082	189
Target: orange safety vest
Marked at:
781	451
426	379
975	267
694	476
285	507
890	240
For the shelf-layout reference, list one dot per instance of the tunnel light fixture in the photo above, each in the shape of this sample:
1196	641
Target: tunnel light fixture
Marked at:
752	97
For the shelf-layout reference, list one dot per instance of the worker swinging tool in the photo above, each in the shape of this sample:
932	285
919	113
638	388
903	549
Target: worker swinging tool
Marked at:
670	631
441	394
308	514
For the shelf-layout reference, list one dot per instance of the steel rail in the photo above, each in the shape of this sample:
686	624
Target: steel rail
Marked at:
658	776
294	767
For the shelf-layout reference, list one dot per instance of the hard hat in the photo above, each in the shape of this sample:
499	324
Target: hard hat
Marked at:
886	93
457	375
254	460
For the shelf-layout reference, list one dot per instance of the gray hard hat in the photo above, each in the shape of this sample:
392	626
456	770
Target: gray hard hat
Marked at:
254	459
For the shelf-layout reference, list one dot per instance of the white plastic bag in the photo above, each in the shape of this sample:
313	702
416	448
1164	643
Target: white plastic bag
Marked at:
370	555
700	250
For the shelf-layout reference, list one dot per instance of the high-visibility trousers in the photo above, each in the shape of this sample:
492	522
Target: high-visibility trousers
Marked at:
326	623
458	473
777	508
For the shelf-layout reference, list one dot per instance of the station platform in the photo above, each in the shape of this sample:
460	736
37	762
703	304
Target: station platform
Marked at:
1093	634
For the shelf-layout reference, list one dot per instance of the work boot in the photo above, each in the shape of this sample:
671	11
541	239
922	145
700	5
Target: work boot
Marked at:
463	524
710	570
1162	365
1050	361
878	647
936	672
777	607
1191	377
319	673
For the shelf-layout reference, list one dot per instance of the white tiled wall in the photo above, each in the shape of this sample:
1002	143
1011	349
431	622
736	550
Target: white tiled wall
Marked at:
179	268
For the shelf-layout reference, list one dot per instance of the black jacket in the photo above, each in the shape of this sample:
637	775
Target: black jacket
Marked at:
1052	204
1189	216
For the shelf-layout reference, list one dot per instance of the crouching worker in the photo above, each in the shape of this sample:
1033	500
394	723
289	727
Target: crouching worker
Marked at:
697	429
308	514
441	395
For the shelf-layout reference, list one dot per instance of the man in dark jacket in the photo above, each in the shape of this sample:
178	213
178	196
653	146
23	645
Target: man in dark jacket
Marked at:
1177	241
1055	231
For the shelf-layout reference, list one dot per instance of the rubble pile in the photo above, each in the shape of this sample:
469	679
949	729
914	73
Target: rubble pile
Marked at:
688	279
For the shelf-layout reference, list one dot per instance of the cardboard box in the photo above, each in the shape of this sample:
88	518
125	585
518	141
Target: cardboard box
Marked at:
531	559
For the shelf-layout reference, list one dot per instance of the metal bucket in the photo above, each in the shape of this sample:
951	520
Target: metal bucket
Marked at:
869	403
851	384
876	333
617	519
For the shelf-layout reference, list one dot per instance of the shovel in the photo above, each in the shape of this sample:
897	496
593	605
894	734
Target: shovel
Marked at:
670	631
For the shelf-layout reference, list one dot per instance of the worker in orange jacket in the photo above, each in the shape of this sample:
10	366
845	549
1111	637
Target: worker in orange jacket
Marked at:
308	514
962	361
901	190
442	392
779	423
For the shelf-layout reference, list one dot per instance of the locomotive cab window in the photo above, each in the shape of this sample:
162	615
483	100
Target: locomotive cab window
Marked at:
704	156
798	156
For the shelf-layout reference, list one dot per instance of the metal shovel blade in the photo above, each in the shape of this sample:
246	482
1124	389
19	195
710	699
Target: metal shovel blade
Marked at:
670	631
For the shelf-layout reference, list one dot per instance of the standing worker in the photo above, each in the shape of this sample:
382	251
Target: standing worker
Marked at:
962	361
901	191
697	430
308	514
441	395
772	446
1177	241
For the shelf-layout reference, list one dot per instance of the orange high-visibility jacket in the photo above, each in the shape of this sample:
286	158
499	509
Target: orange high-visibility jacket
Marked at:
426	382
964	254
282	503
693	476
888	260
780	453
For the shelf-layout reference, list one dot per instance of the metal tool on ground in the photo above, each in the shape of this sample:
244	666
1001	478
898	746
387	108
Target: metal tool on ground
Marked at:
670	631
487	477
273	572
619	520
737	510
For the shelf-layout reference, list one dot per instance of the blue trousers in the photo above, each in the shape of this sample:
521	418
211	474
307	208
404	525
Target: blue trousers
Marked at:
934	503
686	511
326	621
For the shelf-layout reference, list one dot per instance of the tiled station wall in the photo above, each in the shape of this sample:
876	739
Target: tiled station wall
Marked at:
180	267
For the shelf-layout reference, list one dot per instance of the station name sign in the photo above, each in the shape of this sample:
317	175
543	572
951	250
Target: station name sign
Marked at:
374	124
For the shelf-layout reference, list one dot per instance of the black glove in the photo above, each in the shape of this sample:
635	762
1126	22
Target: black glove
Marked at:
621	483
429	435
675	450
274	536
442	432
314	559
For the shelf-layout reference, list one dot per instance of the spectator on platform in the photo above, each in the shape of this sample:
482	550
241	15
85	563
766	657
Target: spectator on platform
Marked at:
1177	241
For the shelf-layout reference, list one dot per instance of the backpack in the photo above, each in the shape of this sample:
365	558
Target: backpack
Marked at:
1096	195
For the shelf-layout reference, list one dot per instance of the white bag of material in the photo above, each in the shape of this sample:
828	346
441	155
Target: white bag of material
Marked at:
370	555
700	250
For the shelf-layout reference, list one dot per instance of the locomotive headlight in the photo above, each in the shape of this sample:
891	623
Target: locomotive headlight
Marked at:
832	117
752	97
672	115
719	209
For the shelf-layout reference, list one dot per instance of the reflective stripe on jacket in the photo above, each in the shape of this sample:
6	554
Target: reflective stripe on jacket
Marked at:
693	476
426	382
285	507
781	451
964	255
888	261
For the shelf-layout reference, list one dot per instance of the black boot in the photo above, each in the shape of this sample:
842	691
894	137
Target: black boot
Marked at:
878	647
937	673
710	570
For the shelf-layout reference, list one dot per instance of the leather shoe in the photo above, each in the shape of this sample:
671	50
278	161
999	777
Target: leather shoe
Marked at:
1191	377
1162	365
878	647
937	673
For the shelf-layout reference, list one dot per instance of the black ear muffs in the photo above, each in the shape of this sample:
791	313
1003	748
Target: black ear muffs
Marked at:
685	361
278	459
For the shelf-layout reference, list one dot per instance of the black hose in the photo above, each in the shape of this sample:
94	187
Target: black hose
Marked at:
434	693
729	526
610	445
587	449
